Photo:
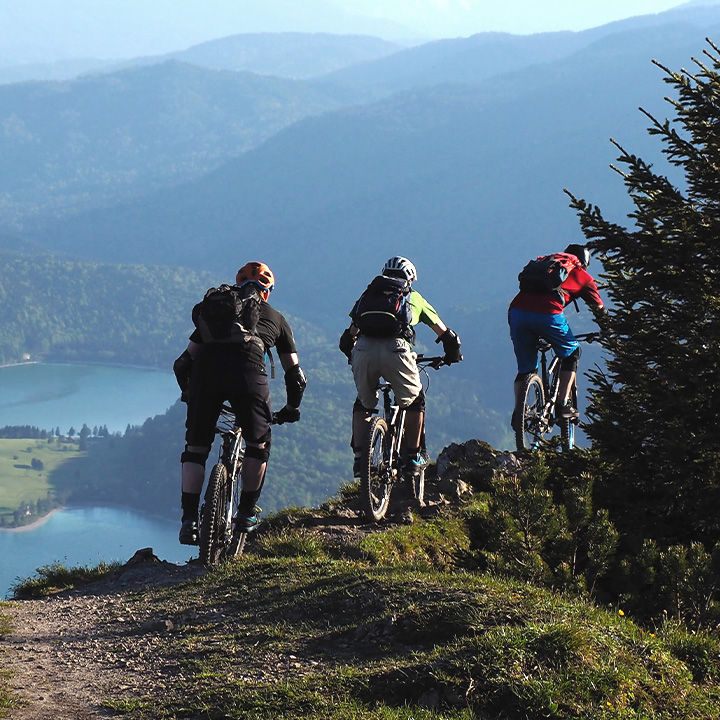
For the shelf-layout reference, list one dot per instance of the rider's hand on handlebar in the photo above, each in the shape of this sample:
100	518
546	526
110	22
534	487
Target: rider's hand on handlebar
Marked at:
286	414
451	345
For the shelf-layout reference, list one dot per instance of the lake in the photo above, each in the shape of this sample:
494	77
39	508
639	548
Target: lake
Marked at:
68	395
87	536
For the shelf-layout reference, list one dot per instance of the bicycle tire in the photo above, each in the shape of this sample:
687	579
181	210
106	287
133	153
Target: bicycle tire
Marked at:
375	485
213	530
530	424
567	425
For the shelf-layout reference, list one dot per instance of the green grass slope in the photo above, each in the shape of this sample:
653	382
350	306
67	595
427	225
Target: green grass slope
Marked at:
330	619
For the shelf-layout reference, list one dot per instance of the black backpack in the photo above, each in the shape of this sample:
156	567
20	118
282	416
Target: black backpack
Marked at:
383	310
229	314
543	275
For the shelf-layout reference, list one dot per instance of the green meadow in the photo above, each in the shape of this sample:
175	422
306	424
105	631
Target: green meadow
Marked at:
25	469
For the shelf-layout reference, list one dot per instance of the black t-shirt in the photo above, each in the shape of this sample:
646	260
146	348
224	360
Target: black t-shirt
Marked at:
273	330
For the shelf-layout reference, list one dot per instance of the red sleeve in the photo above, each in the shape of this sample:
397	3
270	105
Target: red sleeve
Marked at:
581	284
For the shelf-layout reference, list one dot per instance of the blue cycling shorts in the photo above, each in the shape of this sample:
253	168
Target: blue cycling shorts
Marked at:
526	328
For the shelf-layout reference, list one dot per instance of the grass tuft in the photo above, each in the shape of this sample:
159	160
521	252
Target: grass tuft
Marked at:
56	577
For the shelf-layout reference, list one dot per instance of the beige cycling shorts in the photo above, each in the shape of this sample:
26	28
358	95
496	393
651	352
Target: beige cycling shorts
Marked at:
390	358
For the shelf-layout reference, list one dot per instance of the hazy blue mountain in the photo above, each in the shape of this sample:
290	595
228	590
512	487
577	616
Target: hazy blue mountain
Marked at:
467	180
47	30
101	138
292	55
295	55
469	174
58	70
485	55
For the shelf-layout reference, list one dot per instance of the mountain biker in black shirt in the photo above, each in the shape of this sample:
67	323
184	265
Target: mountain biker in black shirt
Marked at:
210	373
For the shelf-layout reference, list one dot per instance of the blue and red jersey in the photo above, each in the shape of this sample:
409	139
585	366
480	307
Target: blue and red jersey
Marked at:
579	284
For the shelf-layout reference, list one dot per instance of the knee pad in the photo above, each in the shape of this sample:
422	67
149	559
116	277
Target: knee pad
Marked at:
261	454
570	363
195	454
418	403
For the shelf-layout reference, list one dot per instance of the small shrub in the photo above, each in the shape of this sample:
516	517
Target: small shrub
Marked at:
56	577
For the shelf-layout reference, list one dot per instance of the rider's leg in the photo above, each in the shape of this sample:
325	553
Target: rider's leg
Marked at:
360	434
412	436
565	385
253	477
193	473
525	330
402	373
202	412
566	382
253	415
366	364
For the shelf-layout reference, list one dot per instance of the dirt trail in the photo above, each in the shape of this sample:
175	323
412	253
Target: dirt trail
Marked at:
72	650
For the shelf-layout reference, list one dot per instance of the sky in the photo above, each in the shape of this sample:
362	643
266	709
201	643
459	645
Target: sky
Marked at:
516	16
47	30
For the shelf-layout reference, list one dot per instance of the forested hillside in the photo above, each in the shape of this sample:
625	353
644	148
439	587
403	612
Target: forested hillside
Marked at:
88	142
66	310
60	309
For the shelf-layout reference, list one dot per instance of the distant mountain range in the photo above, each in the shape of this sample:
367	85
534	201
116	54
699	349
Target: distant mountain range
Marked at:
472	174
454	153
101	138
289	55
49	30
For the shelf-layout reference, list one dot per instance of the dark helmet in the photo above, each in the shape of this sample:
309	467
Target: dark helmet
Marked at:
580	252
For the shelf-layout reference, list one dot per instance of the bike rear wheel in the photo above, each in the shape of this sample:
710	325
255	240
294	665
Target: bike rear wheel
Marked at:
215	535
529	423
375	482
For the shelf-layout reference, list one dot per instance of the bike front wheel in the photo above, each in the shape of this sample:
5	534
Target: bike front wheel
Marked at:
529	422
375	482
215	531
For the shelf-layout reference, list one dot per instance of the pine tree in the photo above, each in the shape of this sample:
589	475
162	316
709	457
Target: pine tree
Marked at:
654	410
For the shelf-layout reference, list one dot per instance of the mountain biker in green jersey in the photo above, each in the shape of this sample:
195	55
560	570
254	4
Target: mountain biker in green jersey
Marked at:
210	373
378	343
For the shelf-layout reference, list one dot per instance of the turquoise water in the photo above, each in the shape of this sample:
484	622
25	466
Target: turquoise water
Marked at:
86	536
65	395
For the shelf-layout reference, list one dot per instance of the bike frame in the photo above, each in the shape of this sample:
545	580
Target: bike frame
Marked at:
550	376
395	418
231	457
395	415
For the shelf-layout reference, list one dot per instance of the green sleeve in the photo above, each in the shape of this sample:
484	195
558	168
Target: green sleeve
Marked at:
422	310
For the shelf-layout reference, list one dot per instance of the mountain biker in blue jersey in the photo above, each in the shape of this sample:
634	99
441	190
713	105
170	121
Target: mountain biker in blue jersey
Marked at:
210	373
533	315
378	343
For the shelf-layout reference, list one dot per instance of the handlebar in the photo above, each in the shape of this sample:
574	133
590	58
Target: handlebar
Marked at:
436	361
588	337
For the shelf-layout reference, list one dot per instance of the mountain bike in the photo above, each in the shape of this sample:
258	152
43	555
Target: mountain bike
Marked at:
382	465
534	416
220	538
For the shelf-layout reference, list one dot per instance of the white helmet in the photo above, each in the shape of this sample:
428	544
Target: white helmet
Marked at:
400	266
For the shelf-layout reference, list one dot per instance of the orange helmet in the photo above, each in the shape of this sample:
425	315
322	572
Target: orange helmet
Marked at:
258	273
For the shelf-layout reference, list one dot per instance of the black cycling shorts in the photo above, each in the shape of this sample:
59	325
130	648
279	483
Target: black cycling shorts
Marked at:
221	374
